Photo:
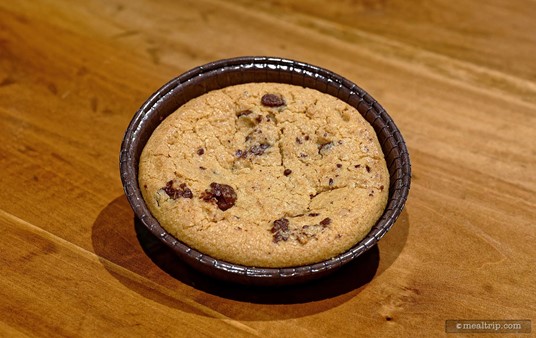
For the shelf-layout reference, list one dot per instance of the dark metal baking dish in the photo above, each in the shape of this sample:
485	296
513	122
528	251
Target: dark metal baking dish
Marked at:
223	73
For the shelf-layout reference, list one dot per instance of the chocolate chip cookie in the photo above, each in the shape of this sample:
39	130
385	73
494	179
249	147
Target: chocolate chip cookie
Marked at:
265	175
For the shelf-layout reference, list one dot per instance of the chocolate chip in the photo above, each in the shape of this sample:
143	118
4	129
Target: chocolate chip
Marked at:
368	168
357	166
173	193
272	100
258	119
298	140
186	192
302	155
314	214
339	165
200	151
170	191
202	168
280	236
280	230
268	119
306	137
381	187
280	225
324	147
330	181
325	222
223	194
259	149
287	172
244	113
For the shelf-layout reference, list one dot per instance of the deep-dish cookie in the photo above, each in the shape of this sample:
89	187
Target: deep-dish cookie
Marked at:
265	175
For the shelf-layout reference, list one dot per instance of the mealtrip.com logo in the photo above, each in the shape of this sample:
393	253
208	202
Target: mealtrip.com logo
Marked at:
488	326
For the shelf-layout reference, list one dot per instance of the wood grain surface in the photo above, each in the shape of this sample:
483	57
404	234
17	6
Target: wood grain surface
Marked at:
458	77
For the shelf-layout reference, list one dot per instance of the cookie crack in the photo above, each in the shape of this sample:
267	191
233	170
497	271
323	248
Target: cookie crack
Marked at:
324	189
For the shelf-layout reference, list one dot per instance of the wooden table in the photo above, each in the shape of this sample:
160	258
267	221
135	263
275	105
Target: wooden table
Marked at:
458	77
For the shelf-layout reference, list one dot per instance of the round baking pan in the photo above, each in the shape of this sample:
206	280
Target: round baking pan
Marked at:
228	72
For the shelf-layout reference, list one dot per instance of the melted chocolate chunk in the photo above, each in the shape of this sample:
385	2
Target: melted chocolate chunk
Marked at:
239	153
280	225
323	148
200	151
280	230
381	187
186	192
339	165
306	137
272	100
244	113
280	236
173	193
168	189
287	172
368	168
325	222
259	149
223	194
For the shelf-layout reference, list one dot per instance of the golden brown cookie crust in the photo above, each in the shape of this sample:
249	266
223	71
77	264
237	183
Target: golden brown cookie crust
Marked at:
297	176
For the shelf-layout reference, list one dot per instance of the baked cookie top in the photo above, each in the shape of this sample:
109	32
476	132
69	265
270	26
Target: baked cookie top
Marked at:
265	175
